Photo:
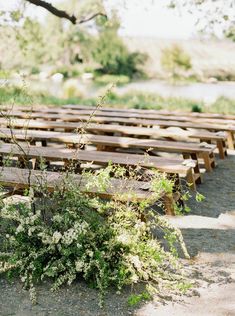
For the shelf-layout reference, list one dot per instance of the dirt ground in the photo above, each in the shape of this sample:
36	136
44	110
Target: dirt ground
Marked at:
209	233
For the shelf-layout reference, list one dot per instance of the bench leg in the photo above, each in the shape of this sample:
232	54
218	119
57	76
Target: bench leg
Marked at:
225	148
230	140
196	169
44	143
168	203
221	149
191	180
207	162
212	160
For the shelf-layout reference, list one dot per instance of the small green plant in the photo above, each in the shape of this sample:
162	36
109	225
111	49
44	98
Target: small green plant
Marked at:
196	108
200	197
135	299
184	287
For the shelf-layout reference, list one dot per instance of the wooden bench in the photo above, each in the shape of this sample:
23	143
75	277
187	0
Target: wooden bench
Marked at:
113	108
156	115
226	125
152	111
111	143
127	113
134	131
130	190
171	166
229	129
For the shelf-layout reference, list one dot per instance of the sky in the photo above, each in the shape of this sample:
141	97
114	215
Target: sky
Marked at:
139	18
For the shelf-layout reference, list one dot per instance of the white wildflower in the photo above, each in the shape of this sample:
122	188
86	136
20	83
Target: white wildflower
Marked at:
124	239
135	260
56	237
79	265
89	252
19	229
69	236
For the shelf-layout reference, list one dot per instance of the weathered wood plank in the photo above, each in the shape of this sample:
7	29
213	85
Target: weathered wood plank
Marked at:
125	190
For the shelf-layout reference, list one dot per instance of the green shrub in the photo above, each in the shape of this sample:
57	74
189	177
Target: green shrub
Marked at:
196	108
231	33
35	70
175	60
113	56
66	234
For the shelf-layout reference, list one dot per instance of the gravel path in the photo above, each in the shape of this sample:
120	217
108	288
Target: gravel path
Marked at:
209	233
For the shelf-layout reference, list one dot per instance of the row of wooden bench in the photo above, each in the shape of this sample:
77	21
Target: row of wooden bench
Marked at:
111	118
134	113
209	160
111	143
113	129
148	111
32	128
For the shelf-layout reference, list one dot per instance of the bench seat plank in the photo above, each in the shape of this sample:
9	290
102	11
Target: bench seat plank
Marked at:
127	190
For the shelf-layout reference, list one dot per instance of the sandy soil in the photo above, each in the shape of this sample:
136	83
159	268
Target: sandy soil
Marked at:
209	233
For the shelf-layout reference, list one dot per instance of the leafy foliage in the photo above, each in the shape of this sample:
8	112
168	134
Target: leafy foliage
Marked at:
113	56
196	108
209	13
174	60
66	234
136	298
231	34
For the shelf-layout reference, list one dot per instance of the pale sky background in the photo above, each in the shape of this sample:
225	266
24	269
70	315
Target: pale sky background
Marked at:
139	18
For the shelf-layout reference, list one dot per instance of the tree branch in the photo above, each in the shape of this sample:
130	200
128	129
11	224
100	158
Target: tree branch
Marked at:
92	17
49	7
61	13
